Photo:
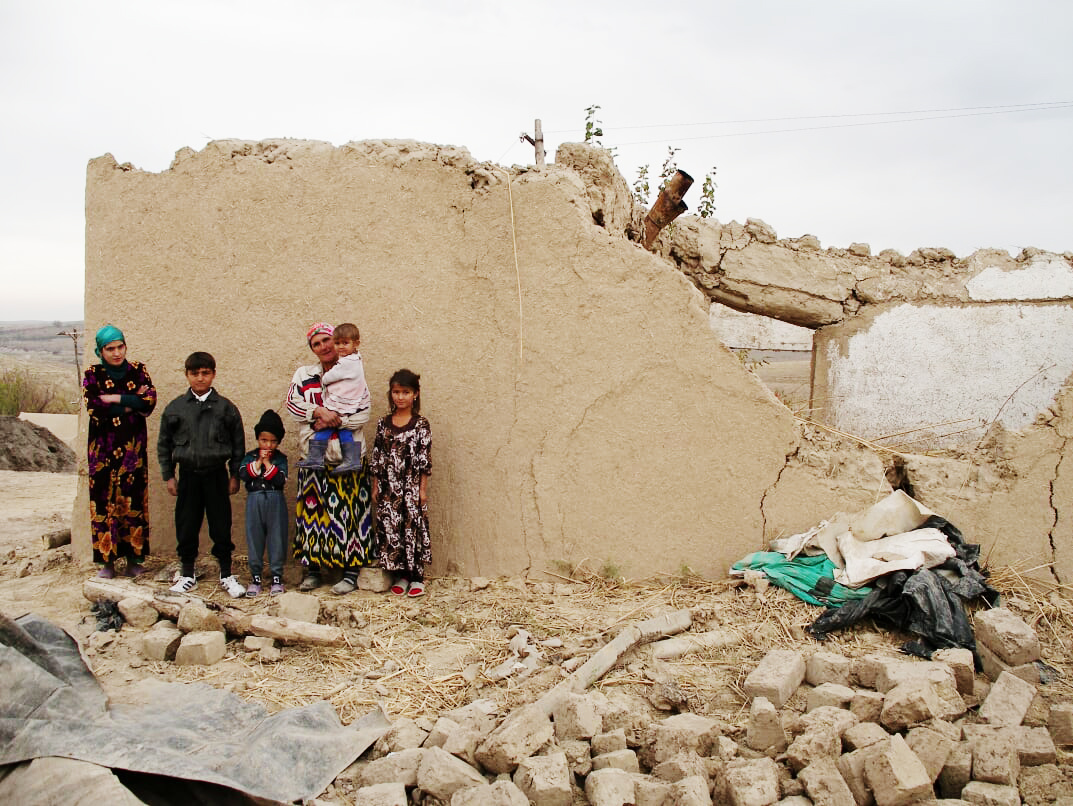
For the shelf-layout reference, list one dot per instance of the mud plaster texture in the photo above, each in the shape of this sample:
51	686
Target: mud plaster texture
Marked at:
581	407
972	356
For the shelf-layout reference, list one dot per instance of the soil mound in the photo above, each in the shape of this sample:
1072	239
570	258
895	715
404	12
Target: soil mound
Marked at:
25	446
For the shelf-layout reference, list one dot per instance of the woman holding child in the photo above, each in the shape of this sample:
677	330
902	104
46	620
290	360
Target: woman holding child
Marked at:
332	518
119	395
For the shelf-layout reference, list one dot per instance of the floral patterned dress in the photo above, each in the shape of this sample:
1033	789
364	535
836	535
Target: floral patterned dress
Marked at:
118	468
401	456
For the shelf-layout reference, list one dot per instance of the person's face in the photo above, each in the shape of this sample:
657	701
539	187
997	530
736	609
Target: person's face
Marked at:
267	441
403	397
114	353
200	380
346	347
323	347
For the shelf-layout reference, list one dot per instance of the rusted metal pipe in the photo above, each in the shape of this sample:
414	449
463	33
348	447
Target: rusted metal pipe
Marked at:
668	206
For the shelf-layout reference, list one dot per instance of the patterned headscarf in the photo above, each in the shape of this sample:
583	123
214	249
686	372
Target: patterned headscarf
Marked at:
317	329
106	335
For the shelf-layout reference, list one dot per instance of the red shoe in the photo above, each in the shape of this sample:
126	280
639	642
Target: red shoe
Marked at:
400	586
416	589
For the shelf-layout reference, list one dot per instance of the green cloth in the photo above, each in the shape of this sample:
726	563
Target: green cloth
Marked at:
808	578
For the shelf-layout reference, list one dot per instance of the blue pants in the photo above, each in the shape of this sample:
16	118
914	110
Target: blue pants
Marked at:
325	434
266	526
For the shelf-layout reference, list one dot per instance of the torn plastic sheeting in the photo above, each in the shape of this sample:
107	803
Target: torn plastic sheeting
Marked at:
929	603
866	561
51	705
808	578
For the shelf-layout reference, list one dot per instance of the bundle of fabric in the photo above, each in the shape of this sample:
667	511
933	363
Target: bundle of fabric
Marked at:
897	562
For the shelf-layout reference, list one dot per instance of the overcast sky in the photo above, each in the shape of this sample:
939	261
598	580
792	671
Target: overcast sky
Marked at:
898	124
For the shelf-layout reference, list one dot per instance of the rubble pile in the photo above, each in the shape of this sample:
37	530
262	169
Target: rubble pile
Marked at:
877	729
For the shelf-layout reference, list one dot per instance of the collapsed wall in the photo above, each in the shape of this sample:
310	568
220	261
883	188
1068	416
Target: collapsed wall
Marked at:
923	352
581	408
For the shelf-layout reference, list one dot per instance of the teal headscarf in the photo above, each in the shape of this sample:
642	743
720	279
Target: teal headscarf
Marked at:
106	335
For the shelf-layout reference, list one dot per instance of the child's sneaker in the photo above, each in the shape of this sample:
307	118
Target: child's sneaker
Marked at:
255	587
232	586
277	586
183	584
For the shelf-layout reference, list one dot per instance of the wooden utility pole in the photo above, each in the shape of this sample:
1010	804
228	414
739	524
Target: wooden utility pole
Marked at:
537	142
74	336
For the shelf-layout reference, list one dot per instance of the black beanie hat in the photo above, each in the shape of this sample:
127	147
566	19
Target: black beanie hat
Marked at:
271	423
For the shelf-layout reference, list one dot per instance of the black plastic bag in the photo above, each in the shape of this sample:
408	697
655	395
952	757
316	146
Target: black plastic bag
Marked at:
924	602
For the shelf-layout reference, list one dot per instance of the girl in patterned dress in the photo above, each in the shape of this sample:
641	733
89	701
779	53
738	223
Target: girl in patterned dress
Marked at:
119	396
400	467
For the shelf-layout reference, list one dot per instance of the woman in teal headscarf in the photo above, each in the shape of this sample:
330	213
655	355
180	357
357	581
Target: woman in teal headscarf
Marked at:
119	396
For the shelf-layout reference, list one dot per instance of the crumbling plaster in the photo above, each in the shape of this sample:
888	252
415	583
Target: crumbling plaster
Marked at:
581	407
973	353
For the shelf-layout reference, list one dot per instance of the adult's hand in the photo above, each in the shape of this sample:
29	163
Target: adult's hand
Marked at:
111	399
173	486
232	487
325	418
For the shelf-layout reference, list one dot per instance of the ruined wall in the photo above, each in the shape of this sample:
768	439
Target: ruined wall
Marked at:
754	332
923	352
581	407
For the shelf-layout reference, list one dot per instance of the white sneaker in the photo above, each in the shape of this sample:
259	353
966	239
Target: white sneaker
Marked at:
234	588
183	584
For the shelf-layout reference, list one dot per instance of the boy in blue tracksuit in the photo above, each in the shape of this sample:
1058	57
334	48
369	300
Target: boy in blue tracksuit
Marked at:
264	472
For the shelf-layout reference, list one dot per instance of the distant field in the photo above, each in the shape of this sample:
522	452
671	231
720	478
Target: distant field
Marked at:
39	337
35	348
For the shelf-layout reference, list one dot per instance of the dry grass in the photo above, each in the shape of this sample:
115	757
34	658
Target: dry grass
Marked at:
420	658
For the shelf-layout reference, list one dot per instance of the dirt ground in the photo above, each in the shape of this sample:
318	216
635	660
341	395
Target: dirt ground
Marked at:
420	657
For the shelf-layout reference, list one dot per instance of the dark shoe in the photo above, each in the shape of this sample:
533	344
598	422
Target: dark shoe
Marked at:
315	459
351	458
310	582
106	572
135	570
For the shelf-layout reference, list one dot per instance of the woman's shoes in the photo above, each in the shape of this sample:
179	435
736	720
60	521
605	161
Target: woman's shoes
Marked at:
310	582
135	570
344	586
106	572
416	589
400	587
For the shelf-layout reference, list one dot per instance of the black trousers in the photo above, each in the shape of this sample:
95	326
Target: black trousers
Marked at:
204	495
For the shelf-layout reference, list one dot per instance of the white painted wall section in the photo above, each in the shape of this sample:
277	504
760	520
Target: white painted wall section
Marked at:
919	366
1046	276
754	332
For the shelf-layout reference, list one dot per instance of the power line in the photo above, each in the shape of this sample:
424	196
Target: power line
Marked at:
969	111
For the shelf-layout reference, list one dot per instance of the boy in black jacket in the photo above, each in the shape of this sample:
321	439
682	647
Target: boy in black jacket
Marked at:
201	432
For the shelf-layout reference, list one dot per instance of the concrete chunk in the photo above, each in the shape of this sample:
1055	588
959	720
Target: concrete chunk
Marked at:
518	737
608	742
764	728
691	791
863	734
138	612
665	739
1060	724
909	704
160	642
1007	635
1008	701
298	606
896	776
390	794
828	717
683	765
545	780
811	746
829	694
618	759
576	717
986	794
196	617
463	744
578	756
1035	747
825	785
649	791
957	771
828	667
995	759
962	664
501	793
404	734
201	649
441	730
609	787
895	671
867	705
754	782
398	767
255	643
374	580
851	767
777	676
441	775
931	747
